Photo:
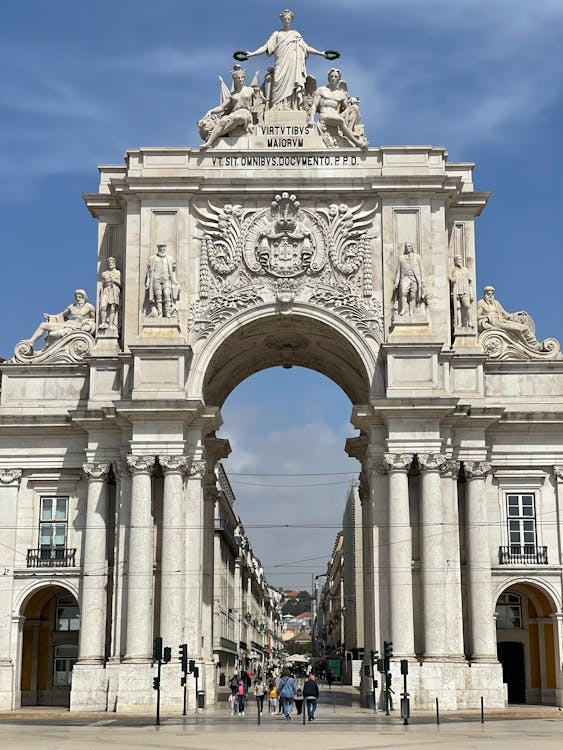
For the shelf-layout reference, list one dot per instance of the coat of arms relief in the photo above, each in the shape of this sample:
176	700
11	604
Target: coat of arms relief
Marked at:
286	253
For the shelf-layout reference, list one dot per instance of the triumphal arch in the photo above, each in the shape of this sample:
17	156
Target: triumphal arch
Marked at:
286	238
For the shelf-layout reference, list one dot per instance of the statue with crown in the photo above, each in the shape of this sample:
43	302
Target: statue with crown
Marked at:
287	97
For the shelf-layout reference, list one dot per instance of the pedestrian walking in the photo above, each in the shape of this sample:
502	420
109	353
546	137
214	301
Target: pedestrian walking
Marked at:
311	696
259	691
329	678
241	693
273	698
286	690
299	683
233	701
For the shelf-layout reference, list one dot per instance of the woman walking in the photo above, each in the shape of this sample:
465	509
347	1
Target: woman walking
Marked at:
286	690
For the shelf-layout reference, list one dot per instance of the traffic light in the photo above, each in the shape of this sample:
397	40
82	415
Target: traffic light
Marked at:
375	684
184	657
374	655
167	654
366	670
380	665
183	680
404	666
157	649
191	666
388	649
196	672
155	683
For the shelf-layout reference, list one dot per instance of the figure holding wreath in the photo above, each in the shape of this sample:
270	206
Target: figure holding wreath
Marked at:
290	51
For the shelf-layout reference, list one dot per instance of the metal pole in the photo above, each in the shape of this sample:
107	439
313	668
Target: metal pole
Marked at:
303	710
158	695
405	694
185	708
258	712
482	711
387	694
437	712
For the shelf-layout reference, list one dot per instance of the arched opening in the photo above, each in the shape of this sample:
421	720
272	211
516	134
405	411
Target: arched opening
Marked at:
526	644
50	632
291	479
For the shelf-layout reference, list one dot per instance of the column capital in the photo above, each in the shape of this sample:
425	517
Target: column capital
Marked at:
398	461
173	464
431	461
140	464
558	473
197	469
450	468
10	476
476	469
96	472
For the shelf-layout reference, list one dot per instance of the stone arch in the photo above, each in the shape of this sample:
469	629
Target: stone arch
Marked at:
528	647
310	337
48	643
23	597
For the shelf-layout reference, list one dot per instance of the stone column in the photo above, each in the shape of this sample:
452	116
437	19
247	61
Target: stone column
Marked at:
237	585
483	640
122	530
172	578
400	556
9	489
452	578
194	556
209	498
140	562
432	566
93	602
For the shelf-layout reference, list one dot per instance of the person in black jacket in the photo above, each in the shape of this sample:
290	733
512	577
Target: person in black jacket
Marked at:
311	695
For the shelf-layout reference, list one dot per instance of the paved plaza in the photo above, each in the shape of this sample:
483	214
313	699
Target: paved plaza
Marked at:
340	725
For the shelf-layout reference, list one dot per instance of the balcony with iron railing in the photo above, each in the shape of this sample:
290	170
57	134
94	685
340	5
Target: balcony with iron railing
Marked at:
51	557
527	554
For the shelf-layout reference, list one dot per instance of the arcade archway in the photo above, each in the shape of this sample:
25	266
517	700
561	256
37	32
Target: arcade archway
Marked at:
50	632
526	643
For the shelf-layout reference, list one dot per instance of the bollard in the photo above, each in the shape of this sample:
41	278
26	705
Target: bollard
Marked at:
304	709
258	712
482	711
437	711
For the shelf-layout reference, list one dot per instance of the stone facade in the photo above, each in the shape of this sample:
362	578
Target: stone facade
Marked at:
284	242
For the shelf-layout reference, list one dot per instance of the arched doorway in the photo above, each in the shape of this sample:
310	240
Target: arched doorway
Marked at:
50	633
526	644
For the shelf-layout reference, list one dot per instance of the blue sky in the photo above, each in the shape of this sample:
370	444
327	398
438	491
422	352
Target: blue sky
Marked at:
83	82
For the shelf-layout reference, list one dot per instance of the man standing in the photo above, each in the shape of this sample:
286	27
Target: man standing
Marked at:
161	283
462	294
109	298
408	285
311	695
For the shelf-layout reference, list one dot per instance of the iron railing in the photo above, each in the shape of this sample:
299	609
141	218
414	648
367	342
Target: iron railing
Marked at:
51	557
526	554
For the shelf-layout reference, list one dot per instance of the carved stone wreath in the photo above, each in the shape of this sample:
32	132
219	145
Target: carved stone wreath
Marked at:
285	252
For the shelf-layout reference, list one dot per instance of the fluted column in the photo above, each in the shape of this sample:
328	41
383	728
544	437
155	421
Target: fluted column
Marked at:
432	566
452	575
367	562
400	555
208	559
140	561
194	555
93	601
483	640
172	578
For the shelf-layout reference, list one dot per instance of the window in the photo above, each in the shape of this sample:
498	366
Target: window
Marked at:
53	522
521	522
67	614
66	655
509	611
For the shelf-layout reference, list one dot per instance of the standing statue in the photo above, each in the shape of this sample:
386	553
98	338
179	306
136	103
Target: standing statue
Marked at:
337	110
161	284
79	316
462	293
290	50
236	111
408	287
109	298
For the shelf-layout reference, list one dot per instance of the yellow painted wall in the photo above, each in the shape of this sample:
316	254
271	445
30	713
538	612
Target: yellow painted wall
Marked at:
535	674
549	656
